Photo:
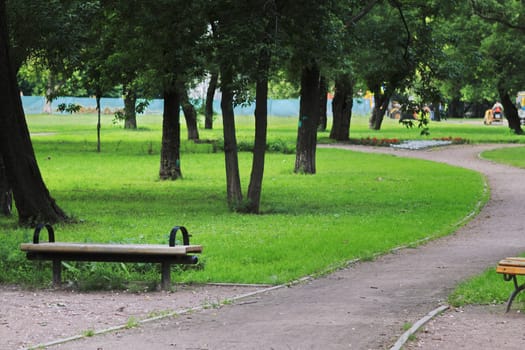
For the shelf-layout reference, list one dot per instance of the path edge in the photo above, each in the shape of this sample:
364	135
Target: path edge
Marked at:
416	326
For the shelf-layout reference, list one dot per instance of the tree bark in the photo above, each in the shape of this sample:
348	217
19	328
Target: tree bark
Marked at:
342	108
510	111
190	115
130	113
308	121
233	181
170	151
323	100
380	105
210	93
99	123
261	126
32	198
6	196
456	108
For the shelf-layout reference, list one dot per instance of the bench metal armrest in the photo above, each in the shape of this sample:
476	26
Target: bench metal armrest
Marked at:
50	233
185	236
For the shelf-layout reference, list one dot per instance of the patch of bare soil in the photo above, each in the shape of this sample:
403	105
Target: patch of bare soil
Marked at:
29	318
472	327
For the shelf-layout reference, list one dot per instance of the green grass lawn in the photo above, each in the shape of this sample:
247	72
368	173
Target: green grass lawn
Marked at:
356	206
514	156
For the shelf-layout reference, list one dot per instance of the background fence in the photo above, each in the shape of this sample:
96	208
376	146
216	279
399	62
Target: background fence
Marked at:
280	108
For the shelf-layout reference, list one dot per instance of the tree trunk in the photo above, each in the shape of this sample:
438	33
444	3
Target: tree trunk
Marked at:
170	151
342	108
210	93
99	124
308	121
380	105
261	124
6	196
233	181
190	115
510	111
456	108
32	198
323	100
130	113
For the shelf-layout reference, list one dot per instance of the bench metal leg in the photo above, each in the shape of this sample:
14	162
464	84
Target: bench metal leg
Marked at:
165	282
517	289
57	273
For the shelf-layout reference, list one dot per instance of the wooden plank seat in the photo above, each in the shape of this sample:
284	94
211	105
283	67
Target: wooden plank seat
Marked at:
166	255
510	268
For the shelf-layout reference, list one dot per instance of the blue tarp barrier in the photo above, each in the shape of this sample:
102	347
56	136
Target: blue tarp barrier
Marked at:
279	108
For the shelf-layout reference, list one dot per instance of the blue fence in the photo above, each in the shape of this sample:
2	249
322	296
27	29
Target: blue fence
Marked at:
279	108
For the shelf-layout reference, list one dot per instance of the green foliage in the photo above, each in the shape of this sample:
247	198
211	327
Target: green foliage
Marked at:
140	108
69	108
281	88
88	333
132	322
32	78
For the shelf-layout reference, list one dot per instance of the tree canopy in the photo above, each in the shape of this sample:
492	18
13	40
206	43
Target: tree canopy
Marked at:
440	52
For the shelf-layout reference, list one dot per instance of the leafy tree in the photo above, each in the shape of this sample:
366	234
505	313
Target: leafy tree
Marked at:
312	34
384	60
126	57
173	59
503	50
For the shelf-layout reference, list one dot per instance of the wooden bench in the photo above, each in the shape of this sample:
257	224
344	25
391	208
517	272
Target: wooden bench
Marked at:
510	268
166	255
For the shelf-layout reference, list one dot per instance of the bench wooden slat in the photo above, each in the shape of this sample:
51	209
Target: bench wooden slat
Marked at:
126	249
511	270
518	262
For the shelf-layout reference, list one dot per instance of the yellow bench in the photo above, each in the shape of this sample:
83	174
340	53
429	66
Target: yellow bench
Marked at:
166	255
510	268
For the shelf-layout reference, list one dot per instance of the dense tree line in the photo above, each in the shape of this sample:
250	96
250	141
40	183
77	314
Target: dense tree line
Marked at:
438	51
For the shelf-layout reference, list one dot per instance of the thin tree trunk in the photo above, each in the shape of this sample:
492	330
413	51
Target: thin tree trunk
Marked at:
342	108
170	152
510	111
33	201
130	113
308	121
379	110
323	100
261	126
233	181
99	124
456	108
190	115
210	93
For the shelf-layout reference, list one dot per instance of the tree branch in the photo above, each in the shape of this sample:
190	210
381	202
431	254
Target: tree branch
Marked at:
363	13
494	18
397	5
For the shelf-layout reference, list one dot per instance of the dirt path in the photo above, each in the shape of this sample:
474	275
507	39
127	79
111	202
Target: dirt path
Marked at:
366	305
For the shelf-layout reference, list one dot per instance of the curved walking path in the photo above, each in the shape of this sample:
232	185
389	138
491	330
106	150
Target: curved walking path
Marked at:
365	305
